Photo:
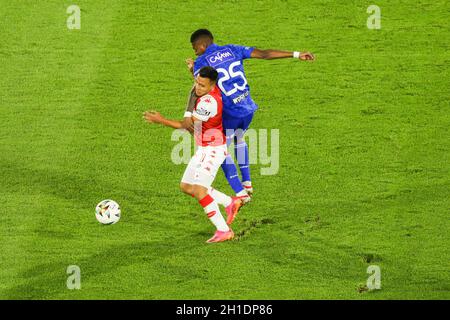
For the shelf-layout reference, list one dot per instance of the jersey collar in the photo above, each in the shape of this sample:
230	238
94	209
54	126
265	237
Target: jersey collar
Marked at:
212	47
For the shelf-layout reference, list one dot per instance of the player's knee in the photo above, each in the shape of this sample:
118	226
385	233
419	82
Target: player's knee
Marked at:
186	188
199	191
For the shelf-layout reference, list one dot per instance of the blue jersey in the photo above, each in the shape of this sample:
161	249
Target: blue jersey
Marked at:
228	61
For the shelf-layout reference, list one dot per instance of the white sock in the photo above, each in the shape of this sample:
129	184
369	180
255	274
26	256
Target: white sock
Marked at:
246	183
219	197
213	212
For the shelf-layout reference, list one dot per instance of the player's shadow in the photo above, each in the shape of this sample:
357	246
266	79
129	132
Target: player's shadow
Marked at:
27	180
48	280
85	190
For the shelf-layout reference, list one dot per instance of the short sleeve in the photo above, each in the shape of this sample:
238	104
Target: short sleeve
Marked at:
243	52
206	108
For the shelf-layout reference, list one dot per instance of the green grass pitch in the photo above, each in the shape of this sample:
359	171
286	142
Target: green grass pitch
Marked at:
364	174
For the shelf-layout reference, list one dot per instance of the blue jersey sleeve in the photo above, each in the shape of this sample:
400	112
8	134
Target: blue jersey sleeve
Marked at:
242	52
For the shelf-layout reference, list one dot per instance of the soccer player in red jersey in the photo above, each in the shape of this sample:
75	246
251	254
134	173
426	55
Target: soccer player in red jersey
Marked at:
211	152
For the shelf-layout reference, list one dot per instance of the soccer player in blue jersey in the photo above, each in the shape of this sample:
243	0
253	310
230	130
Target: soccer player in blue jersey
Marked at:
238	106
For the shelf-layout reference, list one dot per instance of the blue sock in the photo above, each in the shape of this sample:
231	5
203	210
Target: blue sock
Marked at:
241	153
230	170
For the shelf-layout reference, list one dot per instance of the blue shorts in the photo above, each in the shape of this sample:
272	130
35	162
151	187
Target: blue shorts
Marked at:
236	127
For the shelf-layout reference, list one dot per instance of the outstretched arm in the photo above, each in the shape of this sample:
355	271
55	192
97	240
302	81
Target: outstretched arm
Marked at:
156	117
270	54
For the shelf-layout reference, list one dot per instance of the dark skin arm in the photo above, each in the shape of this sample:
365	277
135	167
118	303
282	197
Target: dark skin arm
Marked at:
270	54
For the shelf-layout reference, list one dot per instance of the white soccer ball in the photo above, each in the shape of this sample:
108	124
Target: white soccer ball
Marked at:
107	212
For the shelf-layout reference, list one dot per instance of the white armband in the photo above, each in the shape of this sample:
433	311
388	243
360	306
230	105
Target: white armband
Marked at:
296	54
187	114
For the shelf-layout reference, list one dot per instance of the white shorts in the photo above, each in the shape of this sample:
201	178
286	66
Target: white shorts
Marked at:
203	166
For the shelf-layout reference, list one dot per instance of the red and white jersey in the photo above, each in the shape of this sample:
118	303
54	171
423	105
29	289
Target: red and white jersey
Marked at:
208	110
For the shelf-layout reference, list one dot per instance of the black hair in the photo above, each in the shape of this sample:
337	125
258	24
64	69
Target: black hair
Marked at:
201	33
209	72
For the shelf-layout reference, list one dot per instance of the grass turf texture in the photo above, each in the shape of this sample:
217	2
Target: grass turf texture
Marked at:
364	152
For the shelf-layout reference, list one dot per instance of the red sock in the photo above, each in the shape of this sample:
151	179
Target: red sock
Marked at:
207	200
213	212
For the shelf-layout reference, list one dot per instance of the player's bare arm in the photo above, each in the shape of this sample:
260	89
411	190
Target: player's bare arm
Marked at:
270	54
188	124
156	117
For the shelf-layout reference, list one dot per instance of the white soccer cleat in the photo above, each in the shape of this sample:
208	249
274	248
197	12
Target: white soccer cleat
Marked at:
243	195
245	199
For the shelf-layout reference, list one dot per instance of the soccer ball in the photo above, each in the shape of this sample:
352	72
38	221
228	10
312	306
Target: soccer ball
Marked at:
107	212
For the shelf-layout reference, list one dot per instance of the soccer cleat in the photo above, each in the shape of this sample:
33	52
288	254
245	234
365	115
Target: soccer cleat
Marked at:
233	209
248	187
220	236
245	199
